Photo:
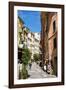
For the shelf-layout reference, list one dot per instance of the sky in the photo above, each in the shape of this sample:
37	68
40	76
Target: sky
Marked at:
31	19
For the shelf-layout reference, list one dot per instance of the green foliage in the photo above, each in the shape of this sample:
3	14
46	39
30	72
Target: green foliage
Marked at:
36	57
24	73
26	56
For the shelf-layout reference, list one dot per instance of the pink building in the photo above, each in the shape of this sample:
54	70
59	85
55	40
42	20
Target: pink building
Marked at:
49	30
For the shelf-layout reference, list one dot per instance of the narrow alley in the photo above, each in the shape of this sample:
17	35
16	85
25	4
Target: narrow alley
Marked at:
37	72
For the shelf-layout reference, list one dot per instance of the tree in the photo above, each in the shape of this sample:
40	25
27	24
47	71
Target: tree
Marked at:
36	57
26	56
24	72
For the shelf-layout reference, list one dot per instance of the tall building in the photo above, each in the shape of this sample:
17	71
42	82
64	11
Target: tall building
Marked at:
49	30
33	43
52	41
20	25
37	43
44	39
28	39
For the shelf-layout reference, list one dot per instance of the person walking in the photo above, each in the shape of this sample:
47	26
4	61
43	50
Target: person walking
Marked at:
30	64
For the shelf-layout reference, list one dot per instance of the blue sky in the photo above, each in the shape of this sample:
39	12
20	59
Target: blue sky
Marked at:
31	19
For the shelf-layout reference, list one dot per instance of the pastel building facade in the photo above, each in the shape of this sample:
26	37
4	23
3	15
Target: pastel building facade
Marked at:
49	43
31	40
37	43
52	42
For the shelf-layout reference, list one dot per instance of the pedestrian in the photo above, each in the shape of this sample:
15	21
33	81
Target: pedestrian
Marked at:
49	67
45	68
30	64
40	64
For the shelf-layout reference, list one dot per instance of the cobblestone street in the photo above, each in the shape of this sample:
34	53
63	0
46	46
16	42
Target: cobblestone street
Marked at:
37	72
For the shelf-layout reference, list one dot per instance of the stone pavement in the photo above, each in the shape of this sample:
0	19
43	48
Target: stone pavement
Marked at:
37	72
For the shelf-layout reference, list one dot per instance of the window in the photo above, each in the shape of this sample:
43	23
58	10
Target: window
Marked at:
55	43
54	26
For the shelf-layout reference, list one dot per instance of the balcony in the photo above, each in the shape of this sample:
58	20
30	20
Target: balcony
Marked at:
20	45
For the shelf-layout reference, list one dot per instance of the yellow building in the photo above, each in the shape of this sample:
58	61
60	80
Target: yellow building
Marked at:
27	38
20	25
